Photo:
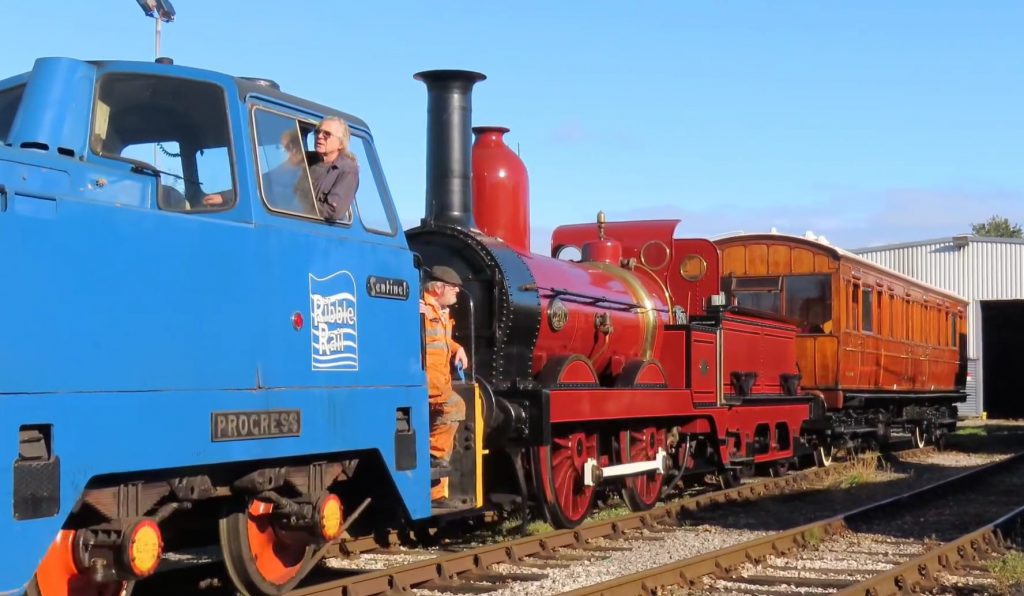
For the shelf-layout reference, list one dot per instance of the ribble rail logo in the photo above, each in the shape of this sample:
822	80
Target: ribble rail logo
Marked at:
333	332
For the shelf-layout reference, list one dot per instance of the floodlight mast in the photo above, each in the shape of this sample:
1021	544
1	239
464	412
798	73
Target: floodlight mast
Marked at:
161	11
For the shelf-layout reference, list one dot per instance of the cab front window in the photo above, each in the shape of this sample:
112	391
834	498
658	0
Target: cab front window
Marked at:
173	129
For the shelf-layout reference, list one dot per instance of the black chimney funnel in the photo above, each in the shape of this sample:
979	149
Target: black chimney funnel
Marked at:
449	145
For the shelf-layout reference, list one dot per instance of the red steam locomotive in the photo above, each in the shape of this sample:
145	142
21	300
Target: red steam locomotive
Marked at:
623	367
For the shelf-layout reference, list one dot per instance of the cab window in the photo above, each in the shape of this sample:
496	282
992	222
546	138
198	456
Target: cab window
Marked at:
369	204
285	149
281	153
10	99
370	198
173	129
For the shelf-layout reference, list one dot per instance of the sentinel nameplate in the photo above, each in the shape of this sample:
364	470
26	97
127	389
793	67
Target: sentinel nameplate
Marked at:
241	426
387	287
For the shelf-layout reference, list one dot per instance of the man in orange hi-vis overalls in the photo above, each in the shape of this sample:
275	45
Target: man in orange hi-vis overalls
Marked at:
446	407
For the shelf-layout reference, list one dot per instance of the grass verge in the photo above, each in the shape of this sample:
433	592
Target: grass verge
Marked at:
1009	572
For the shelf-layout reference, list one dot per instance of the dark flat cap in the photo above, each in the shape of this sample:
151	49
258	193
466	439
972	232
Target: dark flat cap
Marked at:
445	274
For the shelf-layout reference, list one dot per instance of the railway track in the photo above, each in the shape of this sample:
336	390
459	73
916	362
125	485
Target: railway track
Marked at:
379	565
474	570
910	543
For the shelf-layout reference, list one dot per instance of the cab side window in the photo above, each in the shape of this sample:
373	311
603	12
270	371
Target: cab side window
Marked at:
286	157
173	129
282	153
369	205
370	199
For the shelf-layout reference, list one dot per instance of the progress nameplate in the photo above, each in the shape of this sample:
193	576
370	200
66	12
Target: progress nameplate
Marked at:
264	424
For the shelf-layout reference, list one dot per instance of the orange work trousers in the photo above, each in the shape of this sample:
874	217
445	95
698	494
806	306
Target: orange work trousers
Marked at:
446	412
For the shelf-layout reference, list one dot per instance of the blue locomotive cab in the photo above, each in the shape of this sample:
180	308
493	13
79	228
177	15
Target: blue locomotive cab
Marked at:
187	338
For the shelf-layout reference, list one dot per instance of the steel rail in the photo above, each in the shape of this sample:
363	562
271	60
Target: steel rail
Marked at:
722	562
461	570
920	574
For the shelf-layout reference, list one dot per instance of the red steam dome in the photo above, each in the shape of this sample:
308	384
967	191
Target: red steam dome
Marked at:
501	188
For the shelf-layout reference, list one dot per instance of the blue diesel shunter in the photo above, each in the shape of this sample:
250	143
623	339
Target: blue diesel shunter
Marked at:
192	355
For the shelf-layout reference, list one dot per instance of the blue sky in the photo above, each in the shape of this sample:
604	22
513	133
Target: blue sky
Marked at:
868	122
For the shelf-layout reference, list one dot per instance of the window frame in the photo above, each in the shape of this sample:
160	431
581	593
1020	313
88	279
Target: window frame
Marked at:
826	304
376	172
253	107
230	146
867	307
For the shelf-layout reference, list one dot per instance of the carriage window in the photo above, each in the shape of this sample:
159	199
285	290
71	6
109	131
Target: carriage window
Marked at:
809	300
758	293
853	311
174	127
884	314
766	301
867	320
10	100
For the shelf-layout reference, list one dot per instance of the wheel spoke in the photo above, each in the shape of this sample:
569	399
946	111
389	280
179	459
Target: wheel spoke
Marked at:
641	492
568	499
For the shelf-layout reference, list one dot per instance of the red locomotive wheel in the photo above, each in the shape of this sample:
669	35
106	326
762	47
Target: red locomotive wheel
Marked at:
259	560
568	500
57	575
641	492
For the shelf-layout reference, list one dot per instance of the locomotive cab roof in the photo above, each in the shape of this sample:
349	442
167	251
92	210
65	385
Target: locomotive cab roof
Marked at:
244	86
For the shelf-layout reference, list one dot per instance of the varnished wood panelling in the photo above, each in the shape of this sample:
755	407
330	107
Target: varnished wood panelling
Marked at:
734	260
822	264
806	357
778	259
908	346
816	356
757	259
826	360
850	348
803	261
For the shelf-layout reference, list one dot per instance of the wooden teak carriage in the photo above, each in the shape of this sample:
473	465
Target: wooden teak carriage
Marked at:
880	347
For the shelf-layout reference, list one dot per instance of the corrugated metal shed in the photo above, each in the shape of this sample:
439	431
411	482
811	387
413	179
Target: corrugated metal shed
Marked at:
974	267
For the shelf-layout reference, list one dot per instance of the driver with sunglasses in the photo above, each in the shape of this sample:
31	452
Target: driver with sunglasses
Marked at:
334	172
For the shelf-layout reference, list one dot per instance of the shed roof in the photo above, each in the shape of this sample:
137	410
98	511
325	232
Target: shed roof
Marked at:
945	240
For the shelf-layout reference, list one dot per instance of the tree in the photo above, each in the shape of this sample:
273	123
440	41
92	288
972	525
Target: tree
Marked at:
997	227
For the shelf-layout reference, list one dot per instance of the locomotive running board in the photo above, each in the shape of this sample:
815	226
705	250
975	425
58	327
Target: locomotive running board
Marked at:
593	474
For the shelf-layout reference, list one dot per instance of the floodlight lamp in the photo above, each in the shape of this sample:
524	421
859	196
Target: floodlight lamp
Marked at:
158	9
166	10
148	7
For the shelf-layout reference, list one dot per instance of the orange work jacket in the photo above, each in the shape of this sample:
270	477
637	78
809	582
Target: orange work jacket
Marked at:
440	349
